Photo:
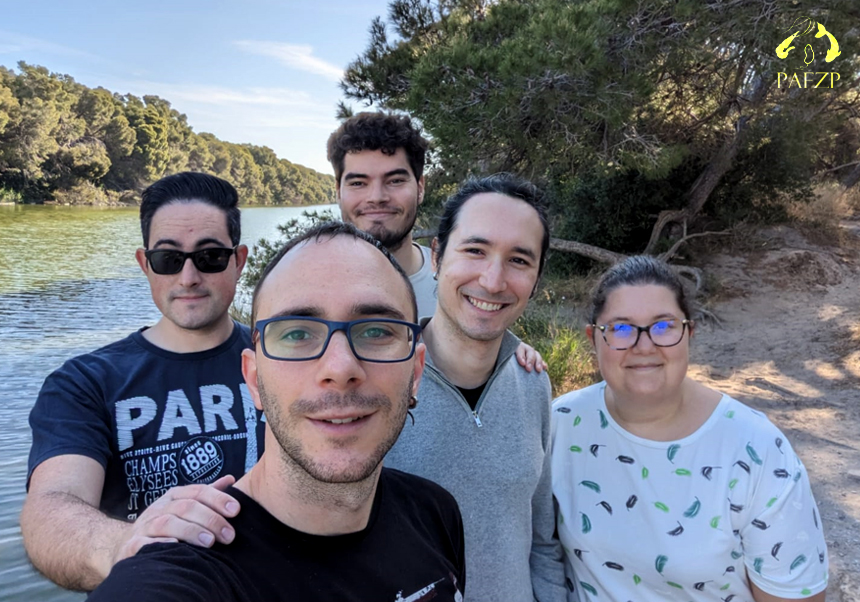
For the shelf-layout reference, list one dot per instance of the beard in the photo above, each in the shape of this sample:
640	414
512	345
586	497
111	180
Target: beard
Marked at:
393	239
293	450
390	239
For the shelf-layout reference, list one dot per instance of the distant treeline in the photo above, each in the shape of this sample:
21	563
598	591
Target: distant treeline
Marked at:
61	141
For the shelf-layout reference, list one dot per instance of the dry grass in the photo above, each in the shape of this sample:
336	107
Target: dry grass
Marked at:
818	220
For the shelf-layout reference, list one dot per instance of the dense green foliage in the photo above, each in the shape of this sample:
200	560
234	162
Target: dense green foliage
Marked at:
62	141
623	109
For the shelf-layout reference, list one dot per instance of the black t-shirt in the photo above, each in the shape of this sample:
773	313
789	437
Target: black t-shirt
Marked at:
411	550
152	418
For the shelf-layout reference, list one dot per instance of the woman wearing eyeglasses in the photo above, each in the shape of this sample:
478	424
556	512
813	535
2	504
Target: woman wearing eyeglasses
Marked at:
667	489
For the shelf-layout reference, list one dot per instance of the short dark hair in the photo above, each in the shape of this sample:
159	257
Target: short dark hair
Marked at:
638	270
331	229
191	186
500	183
380	131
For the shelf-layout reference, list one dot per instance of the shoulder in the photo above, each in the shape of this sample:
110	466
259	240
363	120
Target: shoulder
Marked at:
421	498
243	334
416	487
749	427
168	572
111	358
578	398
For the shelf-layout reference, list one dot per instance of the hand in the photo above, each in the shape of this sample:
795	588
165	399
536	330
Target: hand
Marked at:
529	358
192	513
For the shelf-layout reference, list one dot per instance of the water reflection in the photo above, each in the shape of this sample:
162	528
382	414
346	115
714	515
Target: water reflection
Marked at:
68	284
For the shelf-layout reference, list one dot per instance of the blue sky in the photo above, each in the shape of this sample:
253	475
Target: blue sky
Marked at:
258	71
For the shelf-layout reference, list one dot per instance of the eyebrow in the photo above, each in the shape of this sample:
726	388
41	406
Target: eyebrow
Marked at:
400	171
480	240
362	310
200	243
656	318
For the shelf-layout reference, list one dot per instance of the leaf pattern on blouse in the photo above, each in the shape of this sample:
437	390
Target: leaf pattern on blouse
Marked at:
756	473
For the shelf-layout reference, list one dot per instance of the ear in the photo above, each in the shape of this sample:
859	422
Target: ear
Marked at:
589	333
434	248
420	351
249	371
141	261
241	258
420	190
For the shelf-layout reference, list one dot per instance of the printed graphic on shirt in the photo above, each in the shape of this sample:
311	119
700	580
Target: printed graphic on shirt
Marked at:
729	504
429	592
191	446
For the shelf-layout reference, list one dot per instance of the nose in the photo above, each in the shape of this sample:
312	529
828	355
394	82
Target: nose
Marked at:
338	366
378	191
190	275
644	344
492	278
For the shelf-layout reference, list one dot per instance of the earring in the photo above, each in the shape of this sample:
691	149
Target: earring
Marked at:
413	402
435	276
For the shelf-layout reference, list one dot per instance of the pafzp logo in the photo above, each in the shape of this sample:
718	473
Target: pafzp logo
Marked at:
804	26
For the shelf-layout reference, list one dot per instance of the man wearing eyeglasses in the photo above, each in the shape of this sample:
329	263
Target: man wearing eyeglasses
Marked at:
335	365
134	442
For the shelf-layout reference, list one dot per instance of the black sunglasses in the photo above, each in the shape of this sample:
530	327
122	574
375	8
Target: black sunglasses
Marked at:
207	261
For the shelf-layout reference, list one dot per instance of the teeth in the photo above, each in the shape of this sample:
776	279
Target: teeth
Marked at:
485	306
342	420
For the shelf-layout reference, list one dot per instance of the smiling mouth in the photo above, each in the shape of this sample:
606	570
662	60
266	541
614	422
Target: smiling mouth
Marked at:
349	420
483	305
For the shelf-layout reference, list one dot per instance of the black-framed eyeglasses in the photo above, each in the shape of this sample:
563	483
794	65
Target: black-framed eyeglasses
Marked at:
663	333
170	261
298	338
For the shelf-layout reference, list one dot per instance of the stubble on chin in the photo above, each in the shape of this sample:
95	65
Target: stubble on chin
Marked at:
314	480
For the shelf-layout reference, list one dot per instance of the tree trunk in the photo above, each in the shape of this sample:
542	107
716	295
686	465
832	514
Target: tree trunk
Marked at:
851	179
585	250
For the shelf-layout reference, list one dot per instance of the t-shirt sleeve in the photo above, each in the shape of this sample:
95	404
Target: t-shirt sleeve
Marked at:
168	573
70	417
784	548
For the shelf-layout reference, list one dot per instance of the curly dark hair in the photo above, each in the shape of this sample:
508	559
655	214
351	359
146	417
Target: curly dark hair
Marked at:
381	131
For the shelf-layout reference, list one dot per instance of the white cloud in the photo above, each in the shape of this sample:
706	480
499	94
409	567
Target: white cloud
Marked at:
221	96
294	123
297	56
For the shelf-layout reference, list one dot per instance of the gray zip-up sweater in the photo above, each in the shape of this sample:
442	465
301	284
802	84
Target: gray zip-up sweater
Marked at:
496	463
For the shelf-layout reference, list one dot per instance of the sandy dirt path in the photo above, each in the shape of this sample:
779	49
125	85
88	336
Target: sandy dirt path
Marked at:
788	343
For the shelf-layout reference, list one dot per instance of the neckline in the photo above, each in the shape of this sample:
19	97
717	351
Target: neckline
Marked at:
692	437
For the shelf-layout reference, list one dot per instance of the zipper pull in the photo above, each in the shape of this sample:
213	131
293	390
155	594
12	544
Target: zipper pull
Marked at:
477	420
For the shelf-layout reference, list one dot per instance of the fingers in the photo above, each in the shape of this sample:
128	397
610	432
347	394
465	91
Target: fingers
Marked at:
195	514
212	496
189	521
522	354
540	364
224	482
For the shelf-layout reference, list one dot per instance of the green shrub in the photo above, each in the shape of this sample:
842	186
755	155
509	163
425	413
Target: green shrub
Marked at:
564	348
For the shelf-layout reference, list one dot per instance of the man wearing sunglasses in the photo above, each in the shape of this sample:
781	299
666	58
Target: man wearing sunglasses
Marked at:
335	365
134	442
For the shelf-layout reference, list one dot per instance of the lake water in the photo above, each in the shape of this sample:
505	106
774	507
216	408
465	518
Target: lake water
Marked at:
69	283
